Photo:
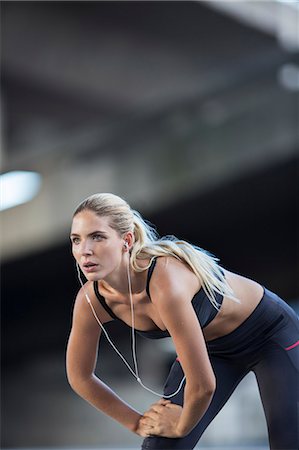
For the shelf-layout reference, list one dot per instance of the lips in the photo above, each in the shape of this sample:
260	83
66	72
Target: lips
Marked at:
89	266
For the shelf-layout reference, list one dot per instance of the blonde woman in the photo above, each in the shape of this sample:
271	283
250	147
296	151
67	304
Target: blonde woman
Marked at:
222	325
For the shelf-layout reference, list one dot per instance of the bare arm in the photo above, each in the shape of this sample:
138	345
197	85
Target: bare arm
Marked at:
171	293
81	361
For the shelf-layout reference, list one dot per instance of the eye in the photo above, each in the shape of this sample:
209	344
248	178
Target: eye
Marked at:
75	240
97	237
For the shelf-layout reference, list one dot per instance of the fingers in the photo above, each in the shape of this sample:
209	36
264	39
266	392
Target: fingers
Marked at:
163	401
144	433
147	420
156	409
159	406
144	427
172	406
147	427
151	415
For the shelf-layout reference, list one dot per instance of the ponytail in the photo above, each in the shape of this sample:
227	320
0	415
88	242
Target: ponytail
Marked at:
202	263
148	244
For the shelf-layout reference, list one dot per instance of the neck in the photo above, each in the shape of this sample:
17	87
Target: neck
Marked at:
117	282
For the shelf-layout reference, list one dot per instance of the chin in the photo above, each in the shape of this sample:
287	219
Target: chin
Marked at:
94	276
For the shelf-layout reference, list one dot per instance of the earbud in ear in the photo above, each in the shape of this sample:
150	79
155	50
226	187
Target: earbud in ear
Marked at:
126	245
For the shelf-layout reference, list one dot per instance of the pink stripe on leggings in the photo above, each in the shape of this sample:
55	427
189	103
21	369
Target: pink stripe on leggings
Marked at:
292	346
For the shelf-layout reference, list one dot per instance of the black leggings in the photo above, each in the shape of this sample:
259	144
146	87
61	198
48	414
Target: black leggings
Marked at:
267	343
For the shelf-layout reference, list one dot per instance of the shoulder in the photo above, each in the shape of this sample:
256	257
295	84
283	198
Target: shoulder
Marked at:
85	292
86	304
173	278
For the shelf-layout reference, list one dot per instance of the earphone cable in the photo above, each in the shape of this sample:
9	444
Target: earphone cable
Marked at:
102	326
133	339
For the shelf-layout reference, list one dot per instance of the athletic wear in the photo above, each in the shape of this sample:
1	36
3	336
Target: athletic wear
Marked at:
203	308
267	343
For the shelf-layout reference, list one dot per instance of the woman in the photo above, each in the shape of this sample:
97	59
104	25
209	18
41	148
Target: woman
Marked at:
222	325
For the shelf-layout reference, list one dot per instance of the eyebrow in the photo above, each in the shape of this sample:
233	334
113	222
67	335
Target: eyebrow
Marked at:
90	234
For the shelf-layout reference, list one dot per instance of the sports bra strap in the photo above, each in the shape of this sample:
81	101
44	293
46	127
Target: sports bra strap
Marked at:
149	274
102	301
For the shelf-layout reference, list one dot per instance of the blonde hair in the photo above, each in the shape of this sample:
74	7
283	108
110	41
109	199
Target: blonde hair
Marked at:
148	244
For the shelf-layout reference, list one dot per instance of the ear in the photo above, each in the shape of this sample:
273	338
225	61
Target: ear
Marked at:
129	239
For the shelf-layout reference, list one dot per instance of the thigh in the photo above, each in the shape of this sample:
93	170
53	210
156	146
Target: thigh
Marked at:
278	380
228	376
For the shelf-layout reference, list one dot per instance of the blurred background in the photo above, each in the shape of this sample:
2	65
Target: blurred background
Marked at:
188	110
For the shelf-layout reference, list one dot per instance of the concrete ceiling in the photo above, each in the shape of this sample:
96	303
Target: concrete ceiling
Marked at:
278	18
178	107
152	100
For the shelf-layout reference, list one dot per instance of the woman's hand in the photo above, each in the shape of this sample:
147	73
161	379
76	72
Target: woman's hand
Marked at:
160	420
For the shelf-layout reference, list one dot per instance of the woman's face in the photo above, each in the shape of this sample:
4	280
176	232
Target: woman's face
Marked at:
97	248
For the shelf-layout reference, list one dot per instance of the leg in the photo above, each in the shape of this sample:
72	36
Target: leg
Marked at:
278	381
228	376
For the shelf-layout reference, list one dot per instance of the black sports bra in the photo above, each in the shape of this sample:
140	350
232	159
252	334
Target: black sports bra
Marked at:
203	308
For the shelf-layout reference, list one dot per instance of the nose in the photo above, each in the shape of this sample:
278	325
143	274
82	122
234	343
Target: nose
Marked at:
86	248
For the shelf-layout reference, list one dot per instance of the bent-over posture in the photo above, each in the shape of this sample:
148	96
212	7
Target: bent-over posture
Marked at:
223	326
